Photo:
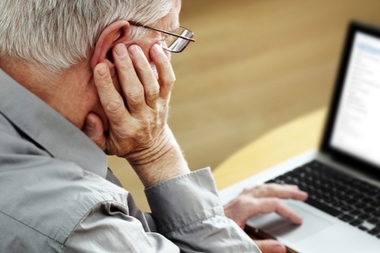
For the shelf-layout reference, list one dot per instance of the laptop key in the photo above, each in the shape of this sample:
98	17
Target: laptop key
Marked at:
364	216
328	209
349	199
356	223
346	208
373	220
346	218
374	231
355	212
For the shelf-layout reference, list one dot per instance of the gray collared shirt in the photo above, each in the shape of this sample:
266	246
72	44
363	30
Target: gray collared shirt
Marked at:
56	194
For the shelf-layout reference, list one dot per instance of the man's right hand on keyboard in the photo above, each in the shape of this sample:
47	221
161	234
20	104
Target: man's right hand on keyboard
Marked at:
265	199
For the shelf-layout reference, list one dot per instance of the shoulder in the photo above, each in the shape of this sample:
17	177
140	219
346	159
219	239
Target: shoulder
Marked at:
43	199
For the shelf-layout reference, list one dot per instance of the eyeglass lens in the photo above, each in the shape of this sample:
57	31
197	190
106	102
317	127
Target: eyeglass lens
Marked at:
177	44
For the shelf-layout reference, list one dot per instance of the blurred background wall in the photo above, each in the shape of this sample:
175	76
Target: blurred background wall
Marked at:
255	65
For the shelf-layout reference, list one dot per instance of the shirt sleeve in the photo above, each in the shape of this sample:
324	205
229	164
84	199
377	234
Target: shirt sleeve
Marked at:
187	214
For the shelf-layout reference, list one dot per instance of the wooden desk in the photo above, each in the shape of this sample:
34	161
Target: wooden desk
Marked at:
278	145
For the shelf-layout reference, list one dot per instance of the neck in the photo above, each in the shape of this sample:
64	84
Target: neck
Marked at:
59	91
28	76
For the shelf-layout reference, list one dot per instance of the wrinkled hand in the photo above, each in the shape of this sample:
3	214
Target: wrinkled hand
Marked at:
264	199
137	116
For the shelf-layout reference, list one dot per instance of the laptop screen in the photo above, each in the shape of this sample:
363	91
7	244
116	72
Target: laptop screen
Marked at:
356	130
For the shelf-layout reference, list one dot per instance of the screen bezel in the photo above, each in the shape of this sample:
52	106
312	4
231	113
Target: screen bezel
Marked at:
326	147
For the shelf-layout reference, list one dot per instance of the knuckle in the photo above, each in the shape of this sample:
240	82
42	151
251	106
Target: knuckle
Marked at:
275	201
143	71
240	201
170	81
123	68
125	65
104	83
248	190
113	106
153	91
260	190
135	96
259	187
123	134
173	78
272	189
144	124
278	247
245	191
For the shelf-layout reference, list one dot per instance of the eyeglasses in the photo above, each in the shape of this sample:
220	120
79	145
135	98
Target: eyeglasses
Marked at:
176	42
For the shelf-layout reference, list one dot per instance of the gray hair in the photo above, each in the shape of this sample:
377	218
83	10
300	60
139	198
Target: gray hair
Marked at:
57	34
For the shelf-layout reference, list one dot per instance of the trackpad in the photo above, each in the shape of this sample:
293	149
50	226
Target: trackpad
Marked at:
283	230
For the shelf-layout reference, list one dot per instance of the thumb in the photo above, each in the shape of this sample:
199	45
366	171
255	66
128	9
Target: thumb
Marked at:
270	246
93	128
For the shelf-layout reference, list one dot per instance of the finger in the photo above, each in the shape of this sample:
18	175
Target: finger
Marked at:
270	246
110	99
296	193
93	128
164	69
277	190
269	205
132	89
146	75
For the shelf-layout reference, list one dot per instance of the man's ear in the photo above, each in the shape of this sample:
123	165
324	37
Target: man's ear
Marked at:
116	33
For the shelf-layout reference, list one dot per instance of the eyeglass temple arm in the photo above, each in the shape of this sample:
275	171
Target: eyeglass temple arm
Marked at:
158	30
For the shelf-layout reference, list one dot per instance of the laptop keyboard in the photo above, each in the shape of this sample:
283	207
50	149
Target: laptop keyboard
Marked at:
349	199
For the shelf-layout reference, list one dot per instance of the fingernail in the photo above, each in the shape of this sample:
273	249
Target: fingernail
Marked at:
157	49
90	124
134	50
298	220
102	70
279	249
120	49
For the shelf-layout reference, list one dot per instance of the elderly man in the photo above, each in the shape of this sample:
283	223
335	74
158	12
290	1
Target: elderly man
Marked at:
83	78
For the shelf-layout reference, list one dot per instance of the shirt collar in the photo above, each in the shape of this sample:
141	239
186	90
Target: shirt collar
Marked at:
48	128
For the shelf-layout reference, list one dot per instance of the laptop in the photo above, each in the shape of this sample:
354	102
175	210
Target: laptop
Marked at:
342	178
